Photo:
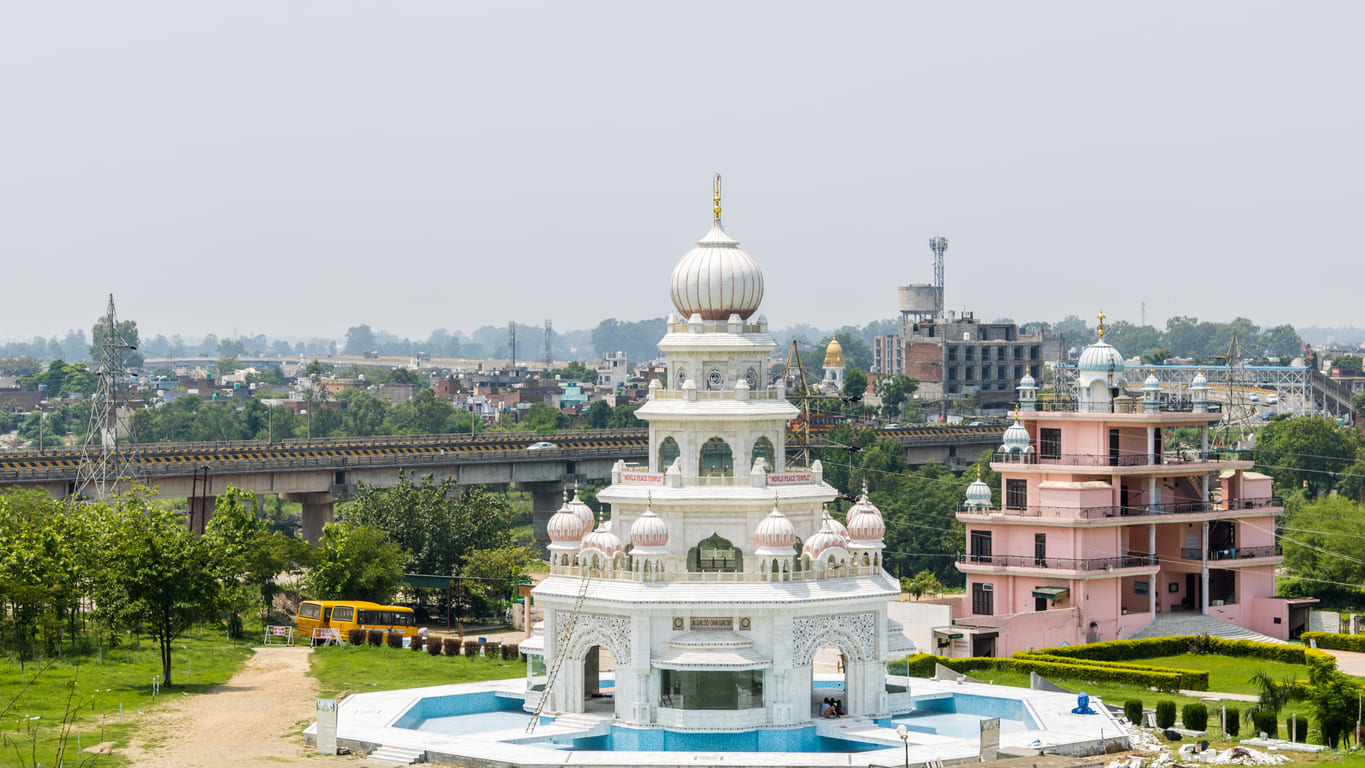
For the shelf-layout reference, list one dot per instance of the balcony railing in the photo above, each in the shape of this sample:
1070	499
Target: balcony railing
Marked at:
1106	460
1231	553
1132	510
1060	563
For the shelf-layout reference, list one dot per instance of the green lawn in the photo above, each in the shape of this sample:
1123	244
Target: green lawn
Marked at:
94	690
363	668
1230	674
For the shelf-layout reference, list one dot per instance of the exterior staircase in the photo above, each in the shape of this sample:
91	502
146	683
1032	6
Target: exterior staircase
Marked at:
388	755
1178	625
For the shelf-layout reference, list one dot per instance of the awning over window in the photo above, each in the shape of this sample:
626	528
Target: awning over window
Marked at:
1052	593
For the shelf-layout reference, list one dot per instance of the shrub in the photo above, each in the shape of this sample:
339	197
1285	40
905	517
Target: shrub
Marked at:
492	649
471	648
1265	722
1234	722
416	643
1195	717
355	636
451	646
375	637
1297	730
1132	709
394	640
1336	642
434	646
1165	713
510	651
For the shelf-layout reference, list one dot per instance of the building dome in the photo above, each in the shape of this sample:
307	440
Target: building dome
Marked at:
834	354
717	278
978	493
1028	382
565	527
649	534
584	512
775	534
604	541
1016	437
1152	384
1101	358
1199	381
824	540
836	526
865	523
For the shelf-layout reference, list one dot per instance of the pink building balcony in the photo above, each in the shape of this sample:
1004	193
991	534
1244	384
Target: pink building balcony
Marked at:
976	514
1084	565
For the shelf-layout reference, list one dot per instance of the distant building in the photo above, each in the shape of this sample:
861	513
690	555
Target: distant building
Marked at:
612	370
888	355
833	380
959	357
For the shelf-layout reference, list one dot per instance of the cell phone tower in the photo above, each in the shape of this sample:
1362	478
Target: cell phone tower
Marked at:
938	245
104	462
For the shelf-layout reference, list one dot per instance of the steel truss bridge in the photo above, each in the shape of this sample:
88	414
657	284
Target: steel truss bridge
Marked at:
1301	391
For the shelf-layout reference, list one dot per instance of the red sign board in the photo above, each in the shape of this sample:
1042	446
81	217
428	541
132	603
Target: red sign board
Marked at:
790	478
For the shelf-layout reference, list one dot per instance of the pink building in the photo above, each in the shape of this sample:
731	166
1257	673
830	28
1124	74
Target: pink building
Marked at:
1101	531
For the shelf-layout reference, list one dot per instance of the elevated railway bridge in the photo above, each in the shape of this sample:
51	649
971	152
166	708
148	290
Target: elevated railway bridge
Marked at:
317	473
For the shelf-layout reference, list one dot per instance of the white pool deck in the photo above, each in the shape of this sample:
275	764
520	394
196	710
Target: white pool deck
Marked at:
365	721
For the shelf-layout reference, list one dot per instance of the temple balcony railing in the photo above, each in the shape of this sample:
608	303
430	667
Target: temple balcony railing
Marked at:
849	571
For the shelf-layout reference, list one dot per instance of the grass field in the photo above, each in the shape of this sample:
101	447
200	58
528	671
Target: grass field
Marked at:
95	690
363	668
1230	674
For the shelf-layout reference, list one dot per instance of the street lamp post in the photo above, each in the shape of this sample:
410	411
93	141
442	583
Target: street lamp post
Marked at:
904	733
305	412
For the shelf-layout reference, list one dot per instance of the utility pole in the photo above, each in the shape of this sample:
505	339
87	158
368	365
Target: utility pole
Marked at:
938	245
549	335
512	344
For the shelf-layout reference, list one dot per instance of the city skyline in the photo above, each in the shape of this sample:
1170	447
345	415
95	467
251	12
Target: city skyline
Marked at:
295	170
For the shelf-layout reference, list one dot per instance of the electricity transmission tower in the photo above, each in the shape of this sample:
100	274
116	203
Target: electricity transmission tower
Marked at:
104	462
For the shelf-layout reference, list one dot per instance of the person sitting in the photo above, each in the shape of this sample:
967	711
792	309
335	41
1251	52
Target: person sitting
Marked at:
827	709
839	709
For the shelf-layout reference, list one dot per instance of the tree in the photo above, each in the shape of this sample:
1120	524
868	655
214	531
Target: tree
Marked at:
543	419
1349	364
1358	404
405	376
231	348
924	582
1334	698
1323	548
152	570
227	365
855	383
597	415
248	556
124	336
639	340
355	562
359	340
623	417
1156	356
362	413
20	366
437	524
893	391
576	371
1305	450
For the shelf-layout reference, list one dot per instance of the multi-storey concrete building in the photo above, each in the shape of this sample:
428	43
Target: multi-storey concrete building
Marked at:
959	357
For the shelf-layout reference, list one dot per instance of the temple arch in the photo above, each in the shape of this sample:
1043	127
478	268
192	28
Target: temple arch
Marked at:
716	460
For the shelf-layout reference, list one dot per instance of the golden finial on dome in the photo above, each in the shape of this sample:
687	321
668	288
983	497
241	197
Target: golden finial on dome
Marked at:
717	197
978	471
1101	317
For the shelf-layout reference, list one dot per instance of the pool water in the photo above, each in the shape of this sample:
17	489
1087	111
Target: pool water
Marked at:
764	740
959	715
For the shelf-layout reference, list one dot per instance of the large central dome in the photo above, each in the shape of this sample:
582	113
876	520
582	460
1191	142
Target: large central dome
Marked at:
717	278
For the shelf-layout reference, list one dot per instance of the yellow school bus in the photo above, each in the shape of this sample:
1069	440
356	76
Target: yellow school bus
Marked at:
344	615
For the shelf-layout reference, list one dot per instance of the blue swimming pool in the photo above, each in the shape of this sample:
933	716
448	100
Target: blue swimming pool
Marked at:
959	715
764	740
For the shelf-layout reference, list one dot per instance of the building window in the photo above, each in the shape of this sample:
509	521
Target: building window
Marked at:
1049	443
1016	494
983	599
952	373
668	453
1040	550
716	460
981	546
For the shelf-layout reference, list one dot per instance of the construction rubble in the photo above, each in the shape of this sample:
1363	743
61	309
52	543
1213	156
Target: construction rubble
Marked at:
1146	740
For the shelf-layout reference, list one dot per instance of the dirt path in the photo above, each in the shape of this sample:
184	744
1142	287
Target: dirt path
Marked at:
253	720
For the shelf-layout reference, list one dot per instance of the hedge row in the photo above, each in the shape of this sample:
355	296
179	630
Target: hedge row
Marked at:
1124	650
1190	679
1336	642
922	665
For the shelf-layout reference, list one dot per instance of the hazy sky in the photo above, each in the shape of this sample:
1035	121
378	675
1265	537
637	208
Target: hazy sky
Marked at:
294	168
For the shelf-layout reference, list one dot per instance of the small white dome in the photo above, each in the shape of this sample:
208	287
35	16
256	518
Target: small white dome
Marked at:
1028	382
1152	384
565	527
1016	437
978	493
583	511
824	540
1199	381
775	534
1101	358
836	526
649	533
604	541
865	524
